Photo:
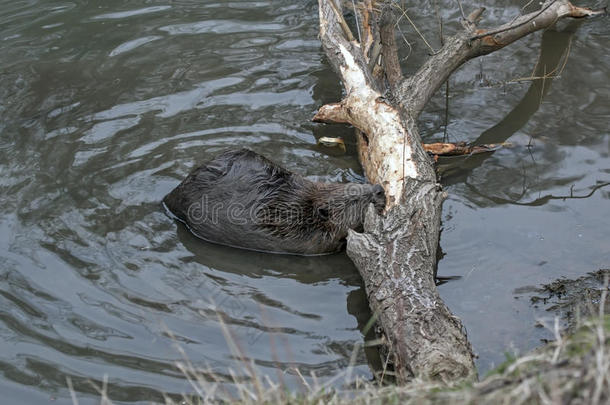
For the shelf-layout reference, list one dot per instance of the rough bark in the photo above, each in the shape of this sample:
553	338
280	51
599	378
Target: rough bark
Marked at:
396	254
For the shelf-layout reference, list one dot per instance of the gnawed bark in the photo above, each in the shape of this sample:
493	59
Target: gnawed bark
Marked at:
456	149
396	254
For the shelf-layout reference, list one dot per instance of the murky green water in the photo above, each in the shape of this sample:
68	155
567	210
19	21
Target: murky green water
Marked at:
105	106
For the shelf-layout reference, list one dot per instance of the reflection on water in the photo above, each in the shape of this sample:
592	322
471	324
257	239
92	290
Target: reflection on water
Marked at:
104	108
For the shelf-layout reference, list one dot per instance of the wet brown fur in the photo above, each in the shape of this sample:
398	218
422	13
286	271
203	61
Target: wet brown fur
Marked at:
244	200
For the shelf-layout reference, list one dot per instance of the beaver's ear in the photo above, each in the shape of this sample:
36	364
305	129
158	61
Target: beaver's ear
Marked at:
323	213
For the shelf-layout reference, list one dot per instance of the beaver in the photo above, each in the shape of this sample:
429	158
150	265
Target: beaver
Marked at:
244	200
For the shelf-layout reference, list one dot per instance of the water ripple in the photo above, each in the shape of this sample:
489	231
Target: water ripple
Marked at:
133	44
103	110
130	13
221	27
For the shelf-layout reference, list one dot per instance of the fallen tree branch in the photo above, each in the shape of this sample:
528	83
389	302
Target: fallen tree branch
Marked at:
574	12
396	254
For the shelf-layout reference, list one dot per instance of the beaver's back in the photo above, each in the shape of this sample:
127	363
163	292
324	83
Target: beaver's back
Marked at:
221	201
234	172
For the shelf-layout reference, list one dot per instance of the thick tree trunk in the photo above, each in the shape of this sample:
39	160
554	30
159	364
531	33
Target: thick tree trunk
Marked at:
396	254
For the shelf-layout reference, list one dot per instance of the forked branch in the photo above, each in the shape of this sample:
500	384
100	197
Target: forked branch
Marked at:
396	253
414	92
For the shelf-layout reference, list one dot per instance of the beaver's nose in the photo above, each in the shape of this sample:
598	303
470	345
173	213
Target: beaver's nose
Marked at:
378	191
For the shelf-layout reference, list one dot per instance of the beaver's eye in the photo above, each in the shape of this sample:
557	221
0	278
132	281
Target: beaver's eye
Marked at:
323	213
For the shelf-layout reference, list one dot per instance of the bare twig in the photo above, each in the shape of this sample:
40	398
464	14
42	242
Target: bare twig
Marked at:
357	23
346	31
549	75
72	392
404	14
461	9
406	41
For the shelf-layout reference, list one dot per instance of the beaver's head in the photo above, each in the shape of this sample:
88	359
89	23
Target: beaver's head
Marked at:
343	206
